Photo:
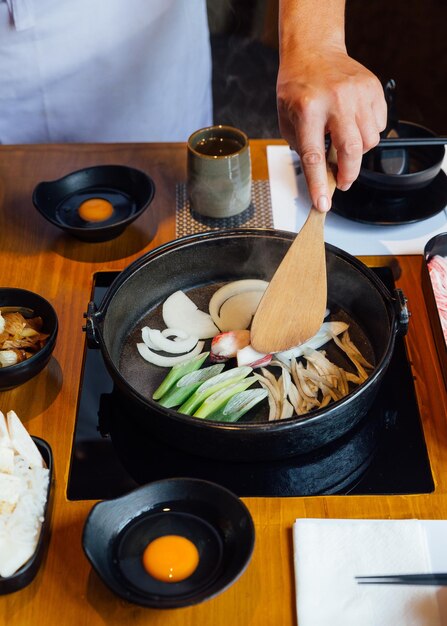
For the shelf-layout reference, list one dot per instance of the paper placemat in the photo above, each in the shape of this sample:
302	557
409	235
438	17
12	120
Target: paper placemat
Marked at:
258	215
290	206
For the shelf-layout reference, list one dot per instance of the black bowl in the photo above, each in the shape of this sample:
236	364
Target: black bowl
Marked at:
15	375
28	571
424	163
130	192
213	518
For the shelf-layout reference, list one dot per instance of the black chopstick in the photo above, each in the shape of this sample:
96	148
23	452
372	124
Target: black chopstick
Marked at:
408	142
404	579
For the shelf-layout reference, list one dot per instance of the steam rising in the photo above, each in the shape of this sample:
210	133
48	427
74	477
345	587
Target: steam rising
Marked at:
244	85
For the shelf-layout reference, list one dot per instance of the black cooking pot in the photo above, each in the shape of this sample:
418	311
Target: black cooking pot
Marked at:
199	264
423	163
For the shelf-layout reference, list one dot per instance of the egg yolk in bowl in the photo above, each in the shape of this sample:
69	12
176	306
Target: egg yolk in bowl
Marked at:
170	558
95	210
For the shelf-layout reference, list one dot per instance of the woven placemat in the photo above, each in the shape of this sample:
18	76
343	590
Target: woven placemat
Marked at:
258	214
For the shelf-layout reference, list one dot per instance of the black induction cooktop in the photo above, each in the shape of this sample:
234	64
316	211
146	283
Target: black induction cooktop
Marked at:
384	454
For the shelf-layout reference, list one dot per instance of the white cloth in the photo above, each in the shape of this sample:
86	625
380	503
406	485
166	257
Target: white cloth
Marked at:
328	554
22	13
103	70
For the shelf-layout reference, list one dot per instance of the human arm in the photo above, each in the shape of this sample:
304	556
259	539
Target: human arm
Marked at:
320	90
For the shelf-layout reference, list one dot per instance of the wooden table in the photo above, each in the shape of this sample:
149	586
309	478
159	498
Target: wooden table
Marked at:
37	256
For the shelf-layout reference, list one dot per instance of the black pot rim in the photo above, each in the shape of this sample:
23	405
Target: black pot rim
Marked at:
276	426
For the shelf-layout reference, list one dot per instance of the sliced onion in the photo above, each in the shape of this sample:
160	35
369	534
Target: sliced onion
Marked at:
179	311
146	338
155	340
237	312
325	334
229	291
177	333
167	361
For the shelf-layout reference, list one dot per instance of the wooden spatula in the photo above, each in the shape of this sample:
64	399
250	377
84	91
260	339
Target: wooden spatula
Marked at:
293	306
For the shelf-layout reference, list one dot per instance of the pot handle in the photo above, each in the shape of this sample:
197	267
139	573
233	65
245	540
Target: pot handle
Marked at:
402	312
90	327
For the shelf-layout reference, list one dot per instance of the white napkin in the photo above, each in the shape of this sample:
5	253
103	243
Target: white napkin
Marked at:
291	204
329	553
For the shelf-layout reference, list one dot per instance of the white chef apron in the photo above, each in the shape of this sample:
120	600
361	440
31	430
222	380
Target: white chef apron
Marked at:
103	70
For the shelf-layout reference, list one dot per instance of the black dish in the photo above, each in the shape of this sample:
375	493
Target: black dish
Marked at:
15	375
28	571
384	208
424	163
214	519
129	190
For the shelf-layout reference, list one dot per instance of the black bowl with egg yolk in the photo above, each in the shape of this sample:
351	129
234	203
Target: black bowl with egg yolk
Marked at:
117	533
96	203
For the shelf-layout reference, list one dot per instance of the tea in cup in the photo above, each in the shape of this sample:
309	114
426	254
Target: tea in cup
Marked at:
219	171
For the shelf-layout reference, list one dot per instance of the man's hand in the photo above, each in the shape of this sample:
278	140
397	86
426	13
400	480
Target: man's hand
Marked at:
322	90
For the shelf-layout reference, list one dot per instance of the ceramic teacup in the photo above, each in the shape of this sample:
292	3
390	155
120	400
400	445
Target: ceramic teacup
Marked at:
219	171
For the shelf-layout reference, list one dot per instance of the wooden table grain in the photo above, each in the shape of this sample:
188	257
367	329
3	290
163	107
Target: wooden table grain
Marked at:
37	256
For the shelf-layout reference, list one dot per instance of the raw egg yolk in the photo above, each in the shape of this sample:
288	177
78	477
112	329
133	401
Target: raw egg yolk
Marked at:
95	210
170	558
